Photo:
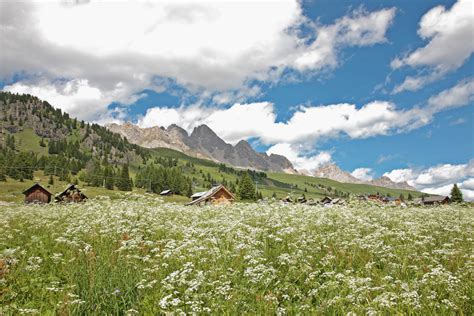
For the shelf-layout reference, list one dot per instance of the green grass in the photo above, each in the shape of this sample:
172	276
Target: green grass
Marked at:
11	190
356	189
27	140
138	255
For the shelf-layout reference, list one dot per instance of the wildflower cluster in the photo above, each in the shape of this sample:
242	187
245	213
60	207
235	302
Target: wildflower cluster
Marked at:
143	256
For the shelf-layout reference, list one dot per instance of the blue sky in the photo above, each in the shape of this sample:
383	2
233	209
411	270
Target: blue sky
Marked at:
399	72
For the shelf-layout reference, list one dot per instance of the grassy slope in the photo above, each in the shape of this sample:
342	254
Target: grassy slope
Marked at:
11	190
280	183
283	184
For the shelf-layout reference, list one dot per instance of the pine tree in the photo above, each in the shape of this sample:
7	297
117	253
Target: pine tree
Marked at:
2	174
246	187
274	195
108	178
402	197
410	197
51	180
124	183
456	194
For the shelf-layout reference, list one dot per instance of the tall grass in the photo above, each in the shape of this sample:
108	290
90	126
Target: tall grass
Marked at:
141	256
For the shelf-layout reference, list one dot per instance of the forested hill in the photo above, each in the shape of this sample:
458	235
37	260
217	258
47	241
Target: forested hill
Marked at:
19	112
36	136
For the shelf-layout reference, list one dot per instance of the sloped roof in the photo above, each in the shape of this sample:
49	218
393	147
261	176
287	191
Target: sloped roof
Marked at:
69	188
165	192
34	186
435	198
208	194
198	194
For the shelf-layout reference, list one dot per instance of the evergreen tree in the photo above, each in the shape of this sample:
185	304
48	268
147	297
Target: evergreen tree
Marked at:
51	180
108	178
274	195
246	187
124	183
456	194
402	197
410	197
2	174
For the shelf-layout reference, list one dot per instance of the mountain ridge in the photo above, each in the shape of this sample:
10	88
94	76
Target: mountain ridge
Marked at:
333	172
203	142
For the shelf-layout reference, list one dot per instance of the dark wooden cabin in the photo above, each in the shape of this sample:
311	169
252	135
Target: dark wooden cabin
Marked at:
216	195
435	199
37	194
71	194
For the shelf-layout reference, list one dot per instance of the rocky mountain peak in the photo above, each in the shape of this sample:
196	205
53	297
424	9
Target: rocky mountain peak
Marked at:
332	171
202	143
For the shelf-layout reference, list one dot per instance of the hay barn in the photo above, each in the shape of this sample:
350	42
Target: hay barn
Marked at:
37	194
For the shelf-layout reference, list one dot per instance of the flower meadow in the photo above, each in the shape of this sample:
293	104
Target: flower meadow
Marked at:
138	255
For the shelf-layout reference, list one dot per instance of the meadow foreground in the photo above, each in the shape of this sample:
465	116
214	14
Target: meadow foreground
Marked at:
141	256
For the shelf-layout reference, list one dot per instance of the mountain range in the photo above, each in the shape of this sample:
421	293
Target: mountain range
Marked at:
203	142
333	172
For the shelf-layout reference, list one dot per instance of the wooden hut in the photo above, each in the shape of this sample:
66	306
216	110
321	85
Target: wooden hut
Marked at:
216	195
435	199
325	200
71	194
37	194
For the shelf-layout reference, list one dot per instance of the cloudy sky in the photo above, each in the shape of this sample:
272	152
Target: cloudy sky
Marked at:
378	87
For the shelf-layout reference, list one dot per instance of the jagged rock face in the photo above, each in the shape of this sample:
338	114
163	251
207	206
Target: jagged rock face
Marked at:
203	143
388	183
333	172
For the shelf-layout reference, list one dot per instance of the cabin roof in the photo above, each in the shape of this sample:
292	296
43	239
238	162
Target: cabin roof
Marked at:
198	194
165	192
435	198
69	188
209	194
36	186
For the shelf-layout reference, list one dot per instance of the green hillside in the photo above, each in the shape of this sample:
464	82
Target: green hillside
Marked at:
38	142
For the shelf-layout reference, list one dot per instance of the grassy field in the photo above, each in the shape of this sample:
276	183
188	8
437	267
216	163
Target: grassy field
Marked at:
138	255
11	190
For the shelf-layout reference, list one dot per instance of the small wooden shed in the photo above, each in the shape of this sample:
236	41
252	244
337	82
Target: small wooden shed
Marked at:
71	194
37	194
216	195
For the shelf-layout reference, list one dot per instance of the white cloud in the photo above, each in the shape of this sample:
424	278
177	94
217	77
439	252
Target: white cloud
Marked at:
218	49
360	29
450	35
300	161
308	123
365	174
459	95
438	179
76	97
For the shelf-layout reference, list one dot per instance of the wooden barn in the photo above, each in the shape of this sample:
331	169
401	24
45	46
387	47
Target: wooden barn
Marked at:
434	200
71	194
37	194
216	195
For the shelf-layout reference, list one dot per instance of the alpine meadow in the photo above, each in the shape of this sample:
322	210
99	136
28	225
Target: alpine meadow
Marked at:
140	255
235	157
